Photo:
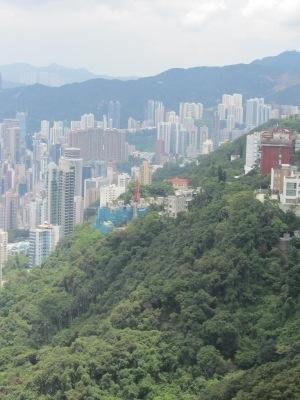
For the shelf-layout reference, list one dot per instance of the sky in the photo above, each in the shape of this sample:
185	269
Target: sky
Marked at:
145	37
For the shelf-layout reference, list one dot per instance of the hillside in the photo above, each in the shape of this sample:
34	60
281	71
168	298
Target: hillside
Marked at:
274	78
202	307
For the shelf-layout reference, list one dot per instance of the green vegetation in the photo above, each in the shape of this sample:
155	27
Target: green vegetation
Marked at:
17	262
204	306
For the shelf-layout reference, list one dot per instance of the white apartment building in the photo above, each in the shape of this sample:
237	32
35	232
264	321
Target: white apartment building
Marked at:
109	194
92	190
60	195
252	151
207	146
231	110
87	121
123	180
75	125
45	129
291	189
257	112
37	212
71	159
190	110
43	241
170	133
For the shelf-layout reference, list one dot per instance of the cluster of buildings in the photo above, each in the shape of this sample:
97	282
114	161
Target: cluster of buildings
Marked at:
273	152
285	185
194	130
117	214
45	185
270	149
178	134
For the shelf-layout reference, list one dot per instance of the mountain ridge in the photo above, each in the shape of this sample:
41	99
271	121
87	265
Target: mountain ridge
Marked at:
273	81
53	75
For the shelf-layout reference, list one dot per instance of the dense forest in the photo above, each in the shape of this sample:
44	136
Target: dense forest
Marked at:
205	306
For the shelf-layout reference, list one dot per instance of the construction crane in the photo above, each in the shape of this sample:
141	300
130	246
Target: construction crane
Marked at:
136	197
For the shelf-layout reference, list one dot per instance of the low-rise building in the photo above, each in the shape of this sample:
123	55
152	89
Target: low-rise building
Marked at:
291	189
179	183
277	176
176	205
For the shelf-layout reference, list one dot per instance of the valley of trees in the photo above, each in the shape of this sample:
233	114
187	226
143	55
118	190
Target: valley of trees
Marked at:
205	306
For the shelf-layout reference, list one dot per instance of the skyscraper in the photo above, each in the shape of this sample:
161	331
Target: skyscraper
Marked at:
149	114
21	117
72	157
37	212
99	144
114	114
9	209
67	185
159	113
231	111
45	129
53	194
257	112
145	173
61	184
10	140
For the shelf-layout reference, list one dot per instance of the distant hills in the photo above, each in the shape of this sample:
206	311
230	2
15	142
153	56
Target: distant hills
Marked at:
22	74
275	78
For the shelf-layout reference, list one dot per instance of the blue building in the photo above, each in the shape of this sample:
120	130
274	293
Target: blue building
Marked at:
110	218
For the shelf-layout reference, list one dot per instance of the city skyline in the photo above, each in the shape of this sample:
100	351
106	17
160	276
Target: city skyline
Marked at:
174	34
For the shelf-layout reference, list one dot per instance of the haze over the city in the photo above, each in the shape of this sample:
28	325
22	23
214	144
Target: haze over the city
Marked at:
143	37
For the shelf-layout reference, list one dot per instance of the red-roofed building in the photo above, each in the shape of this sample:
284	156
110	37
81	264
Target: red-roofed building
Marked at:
179	183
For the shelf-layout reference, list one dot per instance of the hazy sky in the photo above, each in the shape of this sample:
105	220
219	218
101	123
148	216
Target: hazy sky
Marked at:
141	37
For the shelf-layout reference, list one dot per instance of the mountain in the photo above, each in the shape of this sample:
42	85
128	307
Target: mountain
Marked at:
205	306
288	61
275	78
22	74
10	85
284	96
51	75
